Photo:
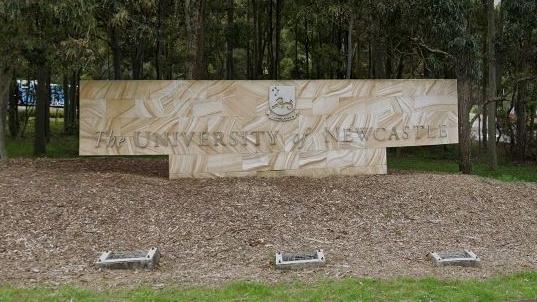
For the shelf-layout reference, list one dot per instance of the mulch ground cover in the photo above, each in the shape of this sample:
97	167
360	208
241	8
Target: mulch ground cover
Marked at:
56	216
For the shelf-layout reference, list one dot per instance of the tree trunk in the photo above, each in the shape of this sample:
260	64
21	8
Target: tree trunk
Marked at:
70	111
379	54
307	47
40	141
47	109
229	40
5	80
66	104
13	113
256	44
484	131
521	117
296	69
249	65
195	26
76	105
317	57
137	61
463	90
532	139
158	40
350	48
370	59
400	67
500	58
491	106
73	103
279	5
272	39
484	93
116	52
27	99
389	61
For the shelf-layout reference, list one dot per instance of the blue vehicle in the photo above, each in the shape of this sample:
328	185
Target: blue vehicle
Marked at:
27	93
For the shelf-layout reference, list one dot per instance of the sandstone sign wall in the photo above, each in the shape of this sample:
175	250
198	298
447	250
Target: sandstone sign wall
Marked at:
245	128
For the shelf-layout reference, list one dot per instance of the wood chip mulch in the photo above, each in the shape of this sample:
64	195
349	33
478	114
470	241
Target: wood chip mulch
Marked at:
56	216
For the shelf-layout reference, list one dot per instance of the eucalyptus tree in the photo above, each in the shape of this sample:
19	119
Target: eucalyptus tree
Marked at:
195	38
111	17
258	39
74	53
491	84
517	45
52	28
12	29
141	31
230	39
33	32
446	41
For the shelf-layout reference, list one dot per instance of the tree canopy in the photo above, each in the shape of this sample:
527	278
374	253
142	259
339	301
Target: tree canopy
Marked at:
64	41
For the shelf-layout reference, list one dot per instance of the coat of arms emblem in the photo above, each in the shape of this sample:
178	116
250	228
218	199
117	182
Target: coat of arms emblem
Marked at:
282	103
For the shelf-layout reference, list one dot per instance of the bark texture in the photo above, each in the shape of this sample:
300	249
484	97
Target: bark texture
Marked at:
491	91
350	49
40	141
230	70
13	110
195	23
463	90
5	80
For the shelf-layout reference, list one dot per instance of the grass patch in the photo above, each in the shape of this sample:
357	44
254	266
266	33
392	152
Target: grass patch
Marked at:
519	286
60	145
506	171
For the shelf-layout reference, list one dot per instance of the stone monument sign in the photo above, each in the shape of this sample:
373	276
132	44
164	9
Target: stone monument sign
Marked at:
247	128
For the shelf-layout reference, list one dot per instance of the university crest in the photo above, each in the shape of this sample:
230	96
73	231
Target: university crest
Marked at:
282	103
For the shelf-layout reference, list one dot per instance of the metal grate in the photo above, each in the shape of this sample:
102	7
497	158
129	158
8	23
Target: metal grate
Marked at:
130	259
459	258
299	260
126	255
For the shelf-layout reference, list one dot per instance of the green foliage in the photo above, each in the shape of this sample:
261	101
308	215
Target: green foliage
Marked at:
427	162
519	286
59	146
146	39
